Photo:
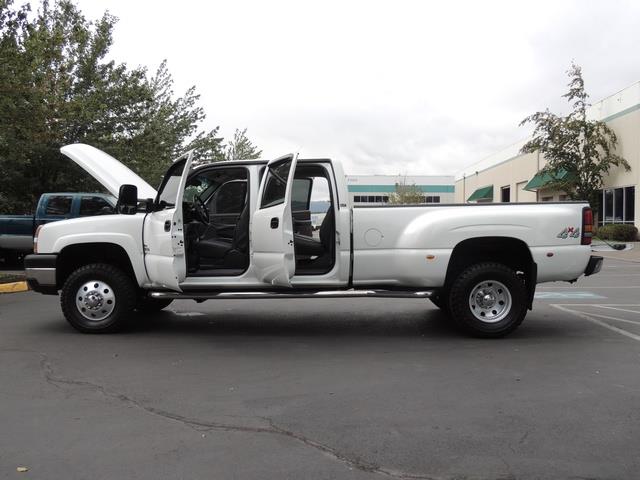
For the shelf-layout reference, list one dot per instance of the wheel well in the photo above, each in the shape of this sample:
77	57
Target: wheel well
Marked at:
75	256
509	251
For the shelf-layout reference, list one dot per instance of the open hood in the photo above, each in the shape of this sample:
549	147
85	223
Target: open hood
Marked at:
107	170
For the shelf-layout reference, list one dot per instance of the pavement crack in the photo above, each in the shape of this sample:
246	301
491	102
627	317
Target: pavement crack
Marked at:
52	378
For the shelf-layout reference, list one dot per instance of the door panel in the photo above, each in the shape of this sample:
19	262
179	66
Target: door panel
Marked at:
273	252
165	257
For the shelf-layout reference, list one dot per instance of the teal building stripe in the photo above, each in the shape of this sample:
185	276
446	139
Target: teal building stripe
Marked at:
621	113
392	188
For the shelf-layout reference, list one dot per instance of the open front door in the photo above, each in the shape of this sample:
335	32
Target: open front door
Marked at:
165	258
273	255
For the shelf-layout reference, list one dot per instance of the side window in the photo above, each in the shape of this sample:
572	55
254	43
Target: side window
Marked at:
320	195
301	194
230	198
59	206
169	187
276	186
94	206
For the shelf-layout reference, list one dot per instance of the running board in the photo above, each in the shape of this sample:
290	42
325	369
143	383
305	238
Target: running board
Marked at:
290	294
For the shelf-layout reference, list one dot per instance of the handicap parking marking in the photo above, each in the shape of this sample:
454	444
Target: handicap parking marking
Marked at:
566	295
598	318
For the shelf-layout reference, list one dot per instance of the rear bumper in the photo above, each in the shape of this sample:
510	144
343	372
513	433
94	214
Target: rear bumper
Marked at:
40	271
594	265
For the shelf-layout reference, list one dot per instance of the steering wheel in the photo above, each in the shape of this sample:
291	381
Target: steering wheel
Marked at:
200	210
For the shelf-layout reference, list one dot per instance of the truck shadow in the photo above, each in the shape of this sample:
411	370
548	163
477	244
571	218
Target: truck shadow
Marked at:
431	323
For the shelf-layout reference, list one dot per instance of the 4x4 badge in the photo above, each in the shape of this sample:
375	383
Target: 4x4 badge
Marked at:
569	232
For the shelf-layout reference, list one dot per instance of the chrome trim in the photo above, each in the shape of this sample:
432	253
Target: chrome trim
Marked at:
290	294
44	276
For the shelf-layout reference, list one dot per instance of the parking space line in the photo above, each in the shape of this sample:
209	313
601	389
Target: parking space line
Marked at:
610	307
619	275
591	319
585	287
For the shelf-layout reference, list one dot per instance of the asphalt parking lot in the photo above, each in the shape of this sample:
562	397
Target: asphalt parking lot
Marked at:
302	389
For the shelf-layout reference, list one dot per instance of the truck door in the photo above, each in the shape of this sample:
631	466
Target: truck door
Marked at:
163	230
273	255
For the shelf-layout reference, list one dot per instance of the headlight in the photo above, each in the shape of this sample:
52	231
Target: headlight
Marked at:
35	239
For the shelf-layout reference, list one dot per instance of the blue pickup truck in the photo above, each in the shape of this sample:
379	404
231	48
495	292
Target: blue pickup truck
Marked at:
16	231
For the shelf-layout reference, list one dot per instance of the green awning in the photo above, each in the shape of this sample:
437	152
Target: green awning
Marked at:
540	180
484	193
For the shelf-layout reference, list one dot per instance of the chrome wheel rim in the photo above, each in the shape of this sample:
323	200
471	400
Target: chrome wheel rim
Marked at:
490	301
95	300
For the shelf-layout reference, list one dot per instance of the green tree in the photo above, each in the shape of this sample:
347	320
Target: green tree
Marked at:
406	194
579	152
241	148
57	88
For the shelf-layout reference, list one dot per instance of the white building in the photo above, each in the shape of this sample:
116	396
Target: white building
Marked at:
375	189
509	176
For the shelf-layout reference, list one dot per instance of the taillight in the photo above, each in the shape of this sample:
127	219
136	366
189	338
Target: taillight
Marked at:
587	225
35	239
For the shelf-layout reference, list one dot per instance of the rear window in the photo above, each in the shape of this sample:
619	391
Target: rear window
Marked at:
59	205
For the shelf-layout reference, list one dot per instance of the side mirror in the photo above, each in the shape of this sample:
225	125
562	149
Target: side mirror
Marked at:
149	205
127	199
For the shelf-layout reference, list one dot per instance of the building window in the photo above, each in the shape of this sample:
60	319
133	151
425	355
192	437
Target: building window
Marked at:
385	199
505	194
563	198
431	199
547	199
617	205
356	199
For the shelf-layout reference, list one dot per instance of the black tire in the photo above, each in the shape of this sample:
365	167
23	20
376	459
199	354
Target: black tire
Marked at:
499	297
151	305
121	293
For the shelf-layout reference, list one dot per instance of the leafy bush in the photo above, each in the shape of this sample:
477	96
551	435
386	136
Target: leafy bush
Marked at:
618	231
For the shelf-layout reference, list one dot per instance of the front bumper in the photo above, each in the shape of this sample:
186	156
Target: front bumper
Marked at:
40	271
594	265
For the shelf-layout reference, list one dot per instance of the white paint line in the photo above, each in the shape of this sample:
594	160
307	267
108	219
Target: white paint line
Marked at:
616	319
599	322
599	305
608	306
618	275
583	286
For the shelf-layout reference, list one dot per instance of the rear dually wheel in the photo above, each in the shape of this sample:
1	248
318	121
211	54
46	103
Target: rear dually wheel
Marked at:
488	300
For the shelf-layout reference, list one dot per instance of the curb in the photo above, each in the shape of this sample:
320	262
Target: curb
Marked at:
13	287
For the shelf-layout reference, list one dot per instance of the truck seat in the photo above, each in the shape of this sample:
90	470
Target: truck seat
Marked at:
305	245
219	247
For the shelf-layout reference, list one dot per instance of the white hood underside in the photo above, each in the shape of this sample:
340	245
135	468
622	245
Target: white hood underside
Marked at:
107	170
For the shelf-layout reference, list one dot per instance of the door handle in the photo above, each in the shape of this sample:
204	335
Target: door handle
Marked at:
275	222
167	226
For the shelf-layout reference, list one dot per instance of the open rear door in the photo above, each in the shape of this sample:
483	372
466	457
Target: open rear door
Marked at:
273	255
165	257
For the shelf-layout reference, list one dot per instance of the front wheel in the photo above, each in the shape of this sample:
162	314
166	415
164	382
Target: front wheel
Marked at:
488	300
98	298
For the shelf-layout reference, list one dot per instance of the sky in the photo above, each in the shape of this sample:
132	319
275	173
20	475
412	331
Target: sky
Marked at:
394	87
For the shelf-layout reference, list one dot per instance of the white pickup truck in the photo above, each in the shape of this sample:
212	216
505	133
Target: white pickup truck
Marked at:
242	230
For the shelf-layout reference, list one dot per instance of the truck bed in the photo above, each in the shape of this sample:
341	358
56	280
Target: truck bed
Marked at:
16	232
